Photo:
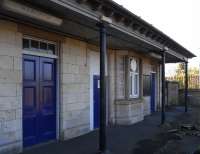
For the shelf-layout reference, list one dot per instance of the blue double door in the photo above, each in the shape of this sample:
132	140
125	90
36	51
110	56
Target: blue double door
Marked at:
39	100
153	91
96	99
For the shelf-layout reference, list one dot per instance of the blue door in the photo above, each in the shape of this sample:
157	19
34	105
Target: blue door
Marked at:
96	96
153	91
39	100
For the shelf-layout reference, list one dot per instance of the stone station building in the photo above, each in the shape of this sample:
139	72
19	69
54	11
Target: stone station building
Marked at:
49	69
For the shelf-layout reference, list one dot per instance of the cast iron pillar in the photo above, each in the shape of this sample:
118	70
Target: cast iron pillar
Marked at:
163	89
186	86
103	58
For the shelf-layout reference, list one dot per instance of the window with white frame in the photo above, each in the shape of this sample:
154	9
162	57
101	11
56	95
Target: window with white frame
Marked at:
134	77
41	46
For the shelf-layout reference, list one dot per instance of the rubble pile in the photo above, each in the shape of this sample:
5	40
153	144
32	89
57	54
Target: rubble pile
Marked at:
186	130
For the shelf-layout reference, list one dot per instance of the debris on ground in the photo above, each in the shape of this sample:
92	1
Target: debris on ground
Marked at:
172	131
187	126
186	129
178	137
169	141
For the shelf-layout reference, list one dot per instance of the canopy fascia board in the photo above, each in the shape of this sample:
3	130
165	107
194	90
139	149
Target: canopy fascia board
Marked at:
97	18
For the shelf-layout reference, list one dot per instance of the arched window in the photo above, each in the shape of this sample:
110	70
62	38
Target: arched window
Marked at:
134	77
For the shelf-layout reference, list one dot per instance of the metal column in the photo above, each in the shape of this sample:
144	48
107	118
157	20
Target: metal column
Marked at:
103	57
186	86
163	89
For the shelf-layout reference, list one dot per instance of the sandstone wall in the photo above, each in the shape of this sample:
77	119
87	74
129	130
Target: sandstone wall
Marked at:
75	99
10	88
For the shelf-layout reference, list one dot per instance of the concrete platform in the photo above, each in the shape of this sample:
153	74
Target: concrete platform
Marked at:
122	139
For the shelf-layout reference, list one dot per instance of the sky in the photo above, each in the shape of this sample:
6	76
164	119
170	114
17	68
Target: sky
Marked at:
179	19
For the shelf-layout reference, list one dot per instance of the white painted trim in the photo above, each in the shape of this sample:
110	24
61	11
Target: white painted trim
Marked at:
35	53
39	39
91	103
58	82
132	74
153	72
133	85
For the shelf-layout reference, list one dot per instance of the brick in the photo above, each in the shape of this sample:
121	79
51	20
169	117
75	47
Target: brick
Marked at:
19	89
8	26
6	62
70	98
11	126
76	122
19	113
75	69
69	115
18	64
66	68
9	103
83	70
82	60
69	59
18	40
129	112
8	137
76	106
10	76
75	131
71	88
70	68
7	115
68	78
7	36
7	49
11	148
8	90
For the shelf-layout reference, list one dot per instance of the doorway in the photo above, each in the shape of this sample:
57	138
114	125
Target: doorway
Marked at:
96	98
153	91
39	100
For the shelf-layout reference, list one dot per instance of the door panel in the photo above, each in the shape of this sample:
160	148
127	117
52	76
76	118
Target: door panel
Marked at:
30	99
153	89
96	98
47	99
39	100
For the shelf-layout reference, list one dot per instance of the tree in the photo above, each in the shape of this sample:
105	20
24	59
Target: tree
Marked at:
193	76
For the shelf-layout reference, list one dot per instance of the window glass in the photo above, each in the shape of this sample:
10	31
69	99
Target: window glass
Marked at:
136	84
39	46
34	44
134	78
26	44
146	85
43	46
137	66
51	48
131	83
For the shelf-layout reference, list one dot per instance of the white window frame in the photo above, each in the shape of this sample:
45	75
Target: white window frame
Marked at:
134	75
39	52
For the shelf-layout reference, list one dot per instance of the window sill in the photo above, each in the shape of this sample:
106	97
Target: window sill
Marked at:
129	101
